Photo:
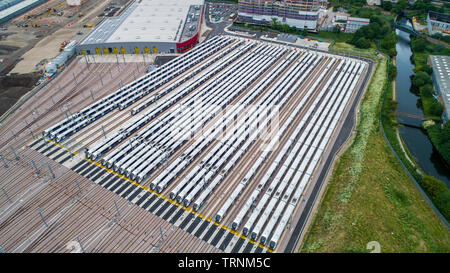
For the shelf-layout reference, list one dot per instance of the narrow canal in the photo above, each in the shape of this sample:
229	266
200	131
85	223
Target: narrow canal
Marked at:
415	139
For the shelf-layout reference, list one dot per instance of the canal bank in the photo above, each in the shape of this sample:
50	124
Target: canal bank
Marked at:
415	139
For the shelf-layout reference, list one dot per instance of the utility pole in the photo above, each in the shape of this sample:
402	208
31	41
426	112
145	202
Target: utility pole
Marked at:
50	169
100	76
162	235
42	217
78	185
81	246
74	78
103	131
14	153
92	95
4	162
87	64
37	171
6	194
117	208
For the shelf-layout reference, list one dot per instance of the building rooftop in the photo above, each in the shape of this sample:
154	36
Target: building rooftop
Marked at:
15	7
441	70
145	20
442	17
365	20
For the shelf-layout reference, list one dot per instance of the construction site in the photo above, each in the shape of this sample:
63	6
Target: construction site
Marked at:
215	150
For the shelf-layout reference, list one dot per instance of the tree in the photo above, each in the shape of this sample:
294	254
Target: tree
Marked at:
305	31
436	108
362	43
337	29
419	44
421	78
392	71
426	90
274	22
387	5
432	186
442	202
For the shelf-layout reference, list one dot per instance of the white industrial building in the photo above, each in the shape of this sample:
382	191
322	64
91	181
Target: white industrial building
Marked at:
438	22
354	23
441	81
147	26
75	2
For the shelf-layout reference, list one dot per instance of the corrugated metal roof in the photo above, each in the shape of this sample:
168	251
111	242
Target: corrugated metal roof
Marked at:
4	4
146	21
11	10
441	70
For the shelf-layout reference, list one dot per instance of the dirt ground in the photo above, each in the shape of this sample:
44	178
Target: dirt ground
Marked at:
47	48
13	87
42	43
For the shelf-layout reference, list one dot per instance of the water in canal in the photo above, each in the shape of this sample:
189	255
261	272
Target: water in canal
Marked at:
415	139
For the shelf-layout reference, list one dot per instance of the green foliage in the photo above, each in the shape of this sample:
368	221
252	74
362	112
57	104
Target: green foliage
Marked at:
392	71
425	68
419	44
386	5
436	108
337	29
441	139
362	43
432	186
421	78
426	90
442	202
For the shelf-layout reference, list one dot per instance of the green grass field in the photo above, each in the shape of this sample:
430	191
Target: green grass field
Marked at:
370	198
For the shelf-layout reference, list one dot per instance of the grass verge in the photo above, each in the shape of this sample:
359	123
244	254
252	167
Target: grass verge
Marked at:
370	197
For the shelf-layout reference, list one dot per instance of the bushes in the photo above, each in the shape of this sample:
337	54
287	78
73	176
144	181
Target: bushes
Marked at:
436	108
419	44
442	202
421	78
392	72
426	90
432	186
441	139
362	43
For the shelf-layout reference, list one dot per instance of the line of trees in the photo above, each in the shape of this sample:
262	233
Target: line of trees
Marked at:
378	29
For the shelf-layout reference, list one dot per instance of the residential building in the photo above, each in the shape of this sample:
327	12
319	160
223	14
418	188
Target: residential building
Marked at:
298	13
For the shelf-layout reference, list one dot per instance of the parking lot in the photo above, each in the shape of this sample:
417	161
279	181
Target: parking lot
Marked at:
222	12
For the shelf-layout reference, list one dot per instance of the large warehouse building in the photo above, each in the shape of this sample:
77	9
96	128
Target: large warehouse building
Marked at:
147	26
13	8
